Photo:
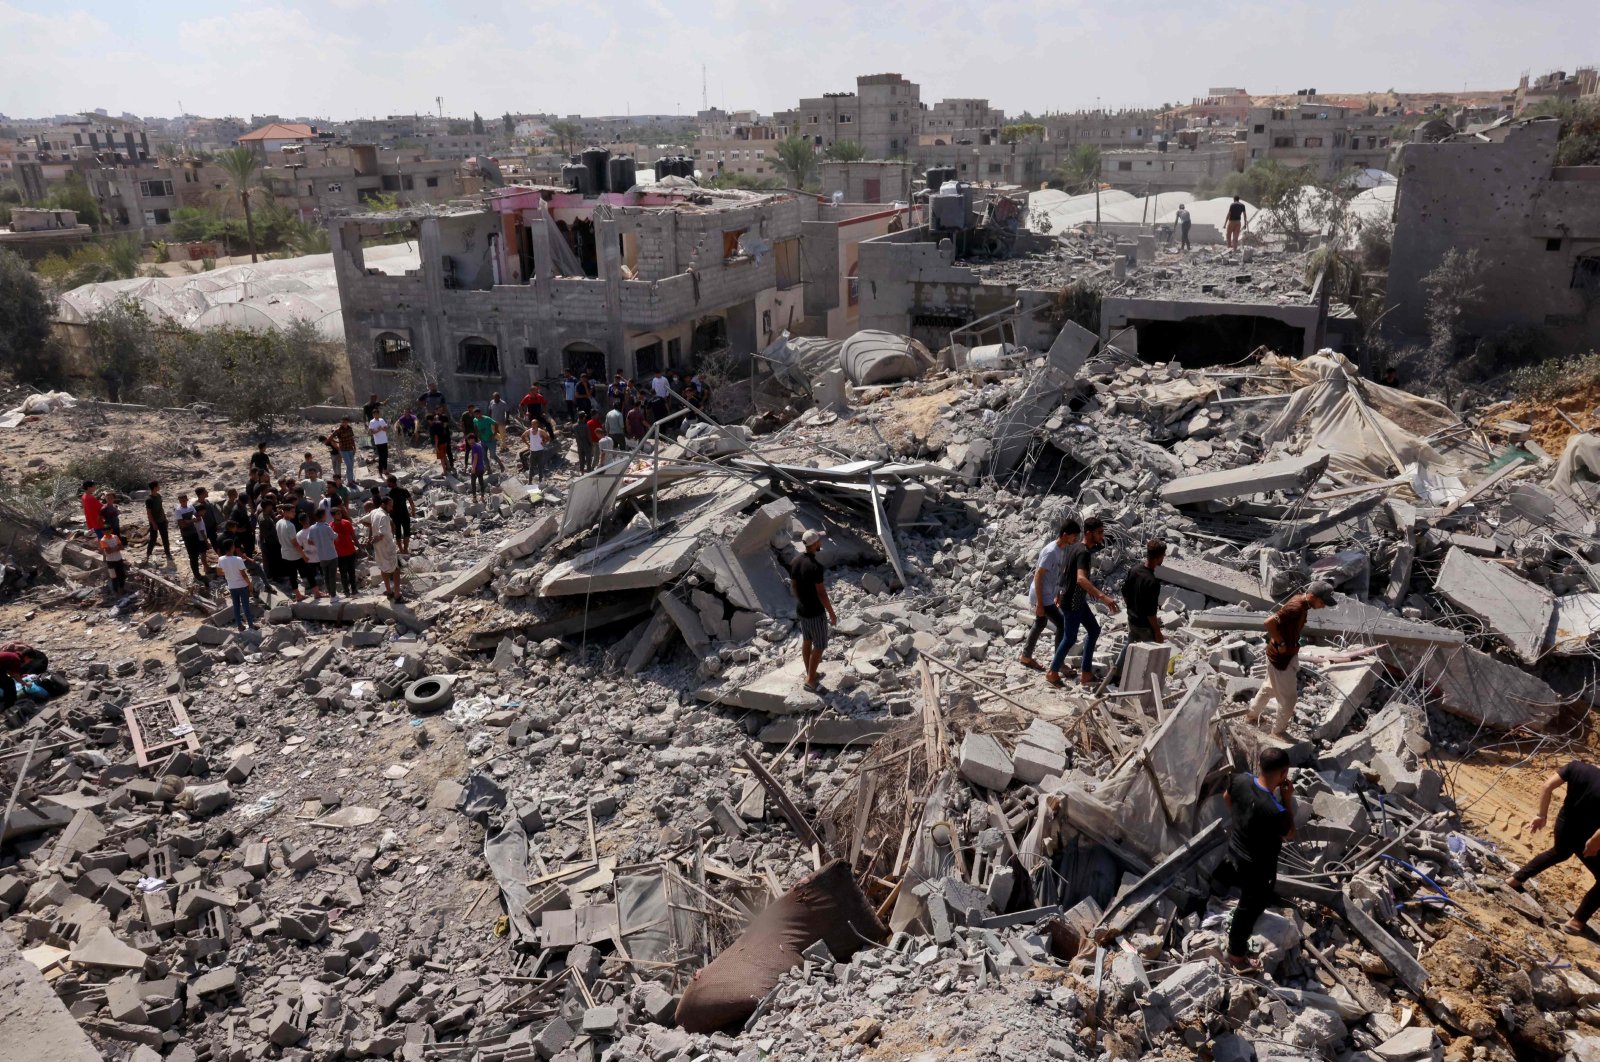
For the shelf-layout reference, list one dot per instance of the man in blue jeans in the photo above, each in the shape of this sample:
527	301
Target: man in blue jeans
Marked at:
233	570
1044	590
1076	592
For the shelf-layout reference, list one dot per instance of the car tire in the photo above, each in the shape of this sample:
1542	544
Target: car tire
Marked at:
431	692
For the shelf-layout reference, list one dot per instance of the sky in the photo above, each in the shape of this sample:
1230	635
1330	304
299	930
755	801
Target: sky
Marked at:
360	58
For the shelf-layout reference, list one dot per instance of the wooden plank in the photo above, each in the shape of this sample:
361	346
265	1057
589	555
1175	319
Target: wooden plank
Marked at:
791	814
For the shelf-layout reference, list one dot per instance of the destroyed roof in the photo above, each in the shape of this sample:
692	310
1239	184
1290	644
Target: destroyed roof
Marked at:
260	296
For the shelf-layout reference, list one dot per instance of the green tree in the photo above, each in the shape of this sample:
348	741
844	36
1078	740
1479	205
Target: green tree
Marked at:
74	195
508	123
191	223
797	158
243	169
566	133
1080	171
307	237
477	123
845	151
1579	143
122	342
1020	131
26	312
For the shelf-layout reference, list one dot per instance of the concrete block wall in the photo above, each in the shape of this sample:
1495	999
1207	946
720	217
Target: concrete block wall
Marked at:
1528	223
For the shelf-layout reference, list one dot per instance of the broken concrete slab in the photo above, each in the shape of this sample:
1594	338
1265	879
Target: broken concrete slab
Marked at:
33	1020
1477	687
765	524
780	691
827	731
590	497
1520	613
106	951
1290	474
1350	684
1348	620
687	621
640	567
983	762
657	632
1214	581
463	583
529	541
753	582
1146	661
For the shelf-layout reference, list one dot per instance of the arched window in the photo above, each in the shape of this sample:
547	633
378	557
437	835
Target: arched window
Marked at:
391	350
478	357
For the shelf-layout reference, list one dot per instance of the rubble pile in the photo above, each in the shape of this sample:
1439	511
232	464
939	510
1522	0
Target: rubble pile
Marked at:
572	800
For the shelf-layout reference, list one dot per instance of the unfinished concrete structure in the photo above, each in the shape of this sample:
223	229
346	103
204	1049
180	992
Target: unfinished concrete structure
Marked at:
883	115
542	279
1326	137
1169	167
877	181
1535	225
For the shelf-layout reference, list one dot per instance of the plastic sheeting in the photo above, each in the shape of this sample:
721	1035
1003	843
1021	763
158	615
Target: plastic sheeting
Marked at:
260	296
873	357
1358	429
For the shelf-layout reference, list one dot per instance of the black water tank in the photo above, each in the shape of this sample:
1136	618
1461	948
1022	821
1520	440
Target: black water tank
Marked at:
934	178
597	159
623	174
577	178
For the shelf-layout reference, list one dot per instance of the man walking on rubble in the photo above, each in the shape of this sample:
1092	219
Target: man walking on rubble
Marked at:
1076	591
1577	833
1184	221
1235	222
1283	654
812	606
1044	591
1141	592
1263	818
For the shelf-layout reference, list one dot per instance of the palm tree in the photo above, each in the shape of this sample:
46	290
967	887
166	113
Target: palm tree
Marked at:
307	237
243	167
567	133
845	151
796	157
1081	170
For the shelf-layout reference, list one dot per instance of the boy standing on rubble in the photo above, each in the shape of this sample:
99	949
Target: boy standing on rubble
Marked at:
1284	628
1076	591
1141	592
812	606
1263	818
1577	833
1044	590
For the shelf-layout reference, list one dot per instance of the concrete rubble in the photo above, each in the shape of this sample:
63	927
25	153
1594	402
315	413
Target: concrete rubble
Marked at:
626	770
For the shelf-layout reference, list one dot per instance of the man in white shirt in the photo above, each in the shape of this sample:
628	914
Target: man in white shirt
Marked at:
307	541
233	570
378	429
294	558
1044	590
538	441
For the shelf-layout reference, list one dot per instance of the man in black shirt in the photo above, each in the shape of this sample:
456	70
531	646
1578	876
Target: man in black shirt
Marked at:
1263	816
1235	222
1577	833
155	513
813	607
261	461
1076	590
1141	592
405	507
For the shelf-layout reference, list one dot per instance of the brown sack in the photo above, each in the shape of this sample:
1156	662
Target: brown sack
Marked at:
826	906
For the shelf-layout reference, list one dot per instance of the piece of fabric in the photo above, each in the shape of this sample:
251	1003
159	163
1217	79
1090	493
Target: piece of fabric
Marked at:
1281	685
814	629
826	906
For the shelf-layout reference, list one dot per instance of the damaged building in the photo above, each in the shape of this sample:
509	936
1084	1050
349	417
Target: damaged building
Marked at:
541	280
1534	225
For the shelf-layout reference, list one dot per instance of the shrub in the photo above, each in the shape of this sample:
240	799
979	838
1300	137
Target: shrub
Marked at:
118	466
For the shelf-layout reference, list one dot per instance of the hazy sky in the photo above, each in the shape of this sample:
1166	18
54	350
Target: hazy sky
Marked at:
350	58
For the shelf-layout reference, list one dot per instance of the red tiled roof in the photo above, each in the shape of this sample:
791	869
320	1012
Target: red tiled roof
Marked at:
280	131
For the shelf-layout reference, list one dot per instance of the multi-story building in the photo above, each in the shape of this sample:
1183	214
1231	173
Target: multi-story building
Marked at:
1220	106
1105	130
1558	86
883	115
1027	162
1535	226
961	119
1168	168
273	137
1325	137
540	279
745	150
867	182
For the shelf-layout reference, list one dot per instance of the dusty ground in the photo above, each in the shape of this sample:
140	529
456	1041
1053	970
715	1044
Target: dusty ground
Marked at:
1550	430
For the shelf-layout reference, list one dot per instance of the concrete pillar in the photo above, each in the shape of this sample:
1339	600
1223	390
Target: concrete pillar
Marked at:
1143	660
829	391
1146	251
610	255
